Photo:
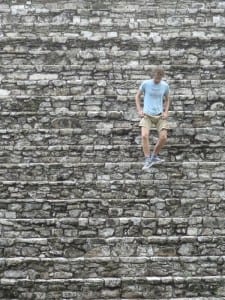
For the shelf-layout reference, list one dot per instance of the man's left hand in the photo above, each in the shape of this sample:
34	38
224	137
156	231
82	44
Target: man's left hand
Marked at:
165	115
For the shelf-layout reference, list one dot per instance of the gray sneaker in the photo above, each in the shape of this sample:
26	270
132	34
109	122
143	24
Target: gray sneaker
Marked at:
147	163
155	160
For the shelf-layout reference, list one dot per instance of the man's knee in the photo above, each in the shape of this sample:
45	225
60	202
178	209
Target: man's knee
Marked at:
145	134
163	135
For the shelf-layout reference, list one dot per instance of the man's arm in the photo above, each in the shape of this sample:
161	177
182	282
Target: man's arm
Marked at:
138	103
167	106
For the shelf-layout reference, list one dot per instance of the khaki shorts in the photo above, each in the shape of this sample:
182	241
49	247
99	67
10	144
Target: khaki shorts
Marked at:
149	121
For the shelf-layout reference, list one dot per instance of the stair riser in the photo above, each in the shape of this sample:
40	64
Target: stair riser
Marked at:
169	153
116	136
91	269
116	227
121	288
119	105
55	18
112	171
135	247
112	208
114	189
49	53
177	67
130	40
56	121
46	85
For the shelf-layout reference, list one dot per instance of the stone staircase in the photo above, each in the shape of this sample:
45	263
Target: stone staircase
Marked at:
78	217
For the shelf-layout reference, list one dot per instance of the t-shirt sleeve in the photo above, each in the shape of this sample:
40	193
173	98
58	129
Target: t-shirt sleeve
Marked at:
167	90
142	87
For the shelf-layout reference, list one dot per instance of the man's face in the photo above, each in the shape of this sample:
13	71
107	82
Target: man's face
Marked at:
157	78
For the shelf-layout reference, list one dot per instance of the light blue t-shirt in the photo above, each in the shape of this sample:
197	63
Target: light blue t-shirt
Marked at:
153	96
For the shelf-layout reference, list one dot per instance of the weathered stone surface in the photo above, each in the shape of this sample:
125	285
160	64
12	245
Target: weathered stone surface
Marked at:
112	171
78	217
129	287
108	267
83	208
99	119
112	227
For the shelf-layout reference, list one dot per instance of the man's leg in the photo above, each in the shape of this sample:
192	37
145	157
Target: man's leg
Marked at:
146	148
145	141
161	141
145	124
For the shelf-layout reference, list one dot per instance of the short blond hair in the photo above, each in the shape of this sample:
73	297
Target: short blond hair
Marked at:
159	71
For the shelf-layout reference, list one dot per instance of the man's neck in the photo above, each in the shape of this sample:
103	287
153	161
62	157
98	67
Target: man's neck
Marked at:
156	82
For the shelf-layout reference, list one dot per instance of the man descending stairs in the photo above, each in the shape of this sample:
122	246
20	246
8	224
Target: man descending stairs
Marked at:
79	218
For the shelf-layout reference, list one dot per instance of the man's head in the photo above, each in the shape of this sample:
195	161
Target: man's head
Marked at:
158	74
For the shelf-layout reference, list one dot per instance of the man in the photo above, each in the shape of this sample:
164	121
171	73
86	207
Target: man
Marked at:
154	113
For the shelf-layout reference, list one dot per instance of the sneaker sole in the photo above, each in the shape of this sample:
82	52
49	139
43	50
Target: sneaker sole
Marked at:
155	163
145	168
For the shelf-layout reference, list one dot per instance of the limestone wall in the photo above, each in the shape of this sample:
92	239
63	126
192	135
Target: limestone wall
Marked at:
78	217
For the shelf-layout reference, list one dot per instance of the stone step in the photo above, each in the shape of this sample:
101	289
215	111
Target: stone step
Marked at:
33	268
86	27
102	9
185	40
114	287
177	74
107	136
86	154
100	208
46	85
111	227
49	52
71	22
120	116
197	103
109	171
67	295
108	189
64	119
73	247
104	30
91	14
105	75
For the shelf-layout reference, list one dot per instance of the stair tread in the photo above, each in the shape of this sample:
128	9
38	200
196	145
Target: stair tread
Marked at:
185	129
194	163
136	259
72	182
121	200
99	97
93	81
89	148
77	28
54	69
218	30
106	113
53	219
152	238
165	279
158	298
